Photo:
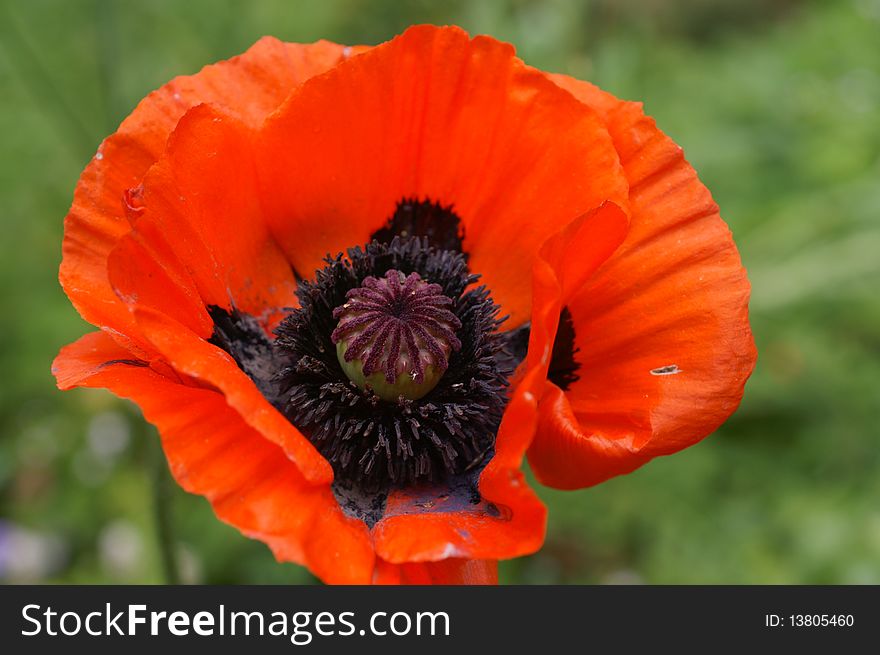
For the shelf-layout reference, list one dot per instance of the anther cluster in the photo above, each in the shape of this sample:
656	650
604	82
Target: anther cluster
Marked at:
408	289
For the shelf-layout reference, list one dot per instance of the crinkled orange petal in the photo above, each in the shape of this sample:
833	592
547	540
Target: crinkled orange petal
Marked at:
212	452
146	271
434	114
564	263
566	456
452	571
193	356
202	200
583	245
201	241
662	327
249	86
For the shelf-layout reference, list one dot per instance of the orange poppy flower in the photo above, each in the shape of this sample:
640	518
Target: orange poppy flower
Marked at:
282	253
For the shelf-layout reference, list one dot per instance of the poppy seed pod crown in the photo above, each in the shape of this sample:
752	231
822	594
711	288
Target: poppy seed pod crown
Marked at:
395	335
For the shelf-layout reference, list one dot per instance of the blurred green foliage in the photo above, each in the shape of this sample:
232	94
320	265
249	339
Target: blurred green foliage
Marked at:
777	104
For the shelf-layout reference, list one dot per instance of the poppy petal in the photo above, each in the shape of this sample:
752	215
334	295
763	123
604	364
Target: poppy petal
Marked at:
662	327
583	245
212	452
564	263
451	571
87	357
202	191
251	85
146	271
433	114
193	356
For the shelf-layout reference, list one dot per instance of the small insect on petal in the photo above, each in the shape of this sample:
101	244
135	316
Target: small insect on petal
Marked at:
670	369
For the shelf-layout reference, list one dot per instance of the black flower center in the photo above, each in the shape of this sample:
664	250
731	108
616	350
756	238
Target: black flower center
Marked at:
393	365
417	393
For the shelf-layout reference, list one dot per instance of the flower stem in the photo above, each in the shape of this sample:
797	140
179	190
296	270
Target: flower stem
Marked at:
162	514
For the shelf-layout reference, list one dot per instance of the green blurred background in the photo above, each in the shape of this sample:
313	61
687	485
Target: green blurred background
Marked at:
777	105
